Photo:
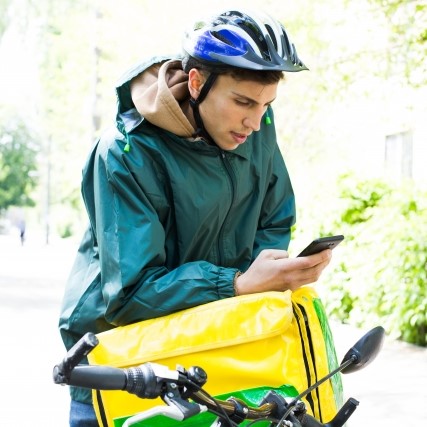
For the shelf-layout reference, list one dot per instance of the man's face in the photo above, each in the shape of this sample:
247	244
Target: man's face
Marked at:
233	109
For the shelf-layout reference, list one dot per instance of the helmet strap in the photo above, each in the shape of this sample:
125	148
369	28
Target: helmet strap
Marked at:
194	103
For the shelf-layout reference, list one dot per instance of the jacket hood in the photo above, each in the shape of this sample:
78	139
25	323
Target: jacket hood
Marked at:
154	91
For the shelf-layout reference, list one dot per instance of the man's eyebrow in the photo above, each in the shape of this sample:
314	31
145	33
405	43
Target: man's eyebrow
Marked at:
253	101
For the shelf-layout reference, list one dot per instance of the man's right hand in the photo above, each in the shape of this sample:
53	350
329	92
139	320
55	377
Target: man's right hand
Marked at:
273	270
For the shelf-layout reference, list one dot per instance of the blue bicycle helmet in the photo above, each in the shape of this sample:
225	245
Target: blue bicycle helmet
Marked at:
237	39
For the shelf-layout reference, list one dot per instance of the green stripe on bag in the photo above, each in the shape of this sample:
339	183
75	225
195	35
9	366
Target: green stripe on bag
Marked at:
330	350
251	397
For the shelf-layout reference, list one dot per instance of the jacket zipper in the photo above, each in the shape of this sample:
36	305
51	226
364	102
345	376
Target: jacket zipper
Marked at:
230	174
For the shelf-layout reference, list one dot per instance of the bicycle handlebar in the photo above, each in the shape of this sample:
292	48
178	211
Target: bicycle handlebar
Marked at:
81	349
151	380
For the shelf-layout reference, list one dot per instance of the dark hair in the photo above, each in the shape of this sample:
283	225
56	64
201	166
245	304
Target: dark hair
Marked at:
259	76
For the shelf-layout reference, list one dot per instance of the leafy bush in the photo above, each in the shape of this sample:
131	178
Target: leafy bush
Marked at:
382	276
18	166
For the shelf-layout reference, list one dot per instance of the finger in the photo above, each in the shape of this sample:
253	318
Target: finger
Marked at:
315	259
277	254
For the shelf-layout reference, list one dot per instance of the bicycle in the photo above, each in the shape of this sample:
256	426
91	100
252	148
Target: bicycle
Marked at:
182	389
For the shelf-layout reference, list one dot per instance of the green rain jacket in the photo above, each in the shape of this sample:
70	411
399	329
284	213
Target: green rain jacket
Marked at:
172	218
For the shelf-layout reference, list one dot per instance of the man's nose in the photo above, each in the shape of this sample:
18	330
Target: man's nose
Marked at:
253	119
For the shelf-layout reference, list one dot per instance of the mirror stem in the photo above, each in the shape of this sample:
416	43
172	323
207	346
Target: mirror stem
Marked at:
348	362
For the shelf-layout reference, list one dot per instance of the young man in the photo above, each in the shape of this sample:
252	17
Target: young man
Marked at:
189	199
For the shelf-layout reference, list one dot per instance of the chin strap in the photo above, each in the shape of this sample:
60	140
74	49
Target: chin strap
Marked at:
194	103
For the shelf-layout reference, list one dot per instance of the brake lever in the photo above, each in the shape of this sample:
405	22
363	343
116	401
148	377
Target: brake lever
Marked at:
172	396
172	412
177	407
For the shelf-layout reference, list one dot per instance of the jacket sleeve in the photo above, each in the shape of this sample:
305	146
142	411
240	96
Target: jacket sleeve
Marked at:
134	279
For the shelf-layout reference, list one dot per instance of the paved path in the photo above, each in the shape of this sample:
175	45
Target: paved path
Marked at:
392	391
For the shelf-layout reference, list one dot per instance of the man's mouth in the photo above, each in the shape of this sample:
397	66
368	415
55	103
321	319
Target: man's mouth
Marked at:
240	138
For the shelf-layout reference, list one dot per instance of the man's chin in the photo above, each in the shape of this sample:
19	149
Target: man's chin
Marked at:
230	147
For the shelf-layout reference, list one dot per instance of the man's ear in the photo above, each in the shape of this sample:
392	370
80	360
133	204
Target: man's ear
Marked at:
195	82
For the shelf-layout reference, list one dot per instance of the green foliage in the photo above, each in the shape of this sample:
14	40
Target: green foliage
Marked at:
4	16
361	199
18	165
383	278
408	22
340	301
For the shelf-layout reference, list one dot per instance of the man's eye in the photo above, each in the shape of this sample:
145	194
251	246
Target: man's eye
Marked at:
242	102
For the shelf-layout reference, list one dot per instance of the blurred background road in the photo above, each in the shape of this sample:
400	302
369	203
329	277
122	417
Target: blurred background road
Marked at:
392	390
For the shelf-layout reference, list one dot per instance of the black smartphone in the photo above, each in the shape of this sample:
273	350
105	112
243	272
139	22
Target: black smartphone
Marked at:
322	243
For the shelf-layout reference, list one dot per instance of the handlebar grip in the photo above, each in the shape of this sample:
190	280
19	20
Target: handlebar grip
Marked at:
309	421
339	420
146	381
61	372
98	377
344	413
